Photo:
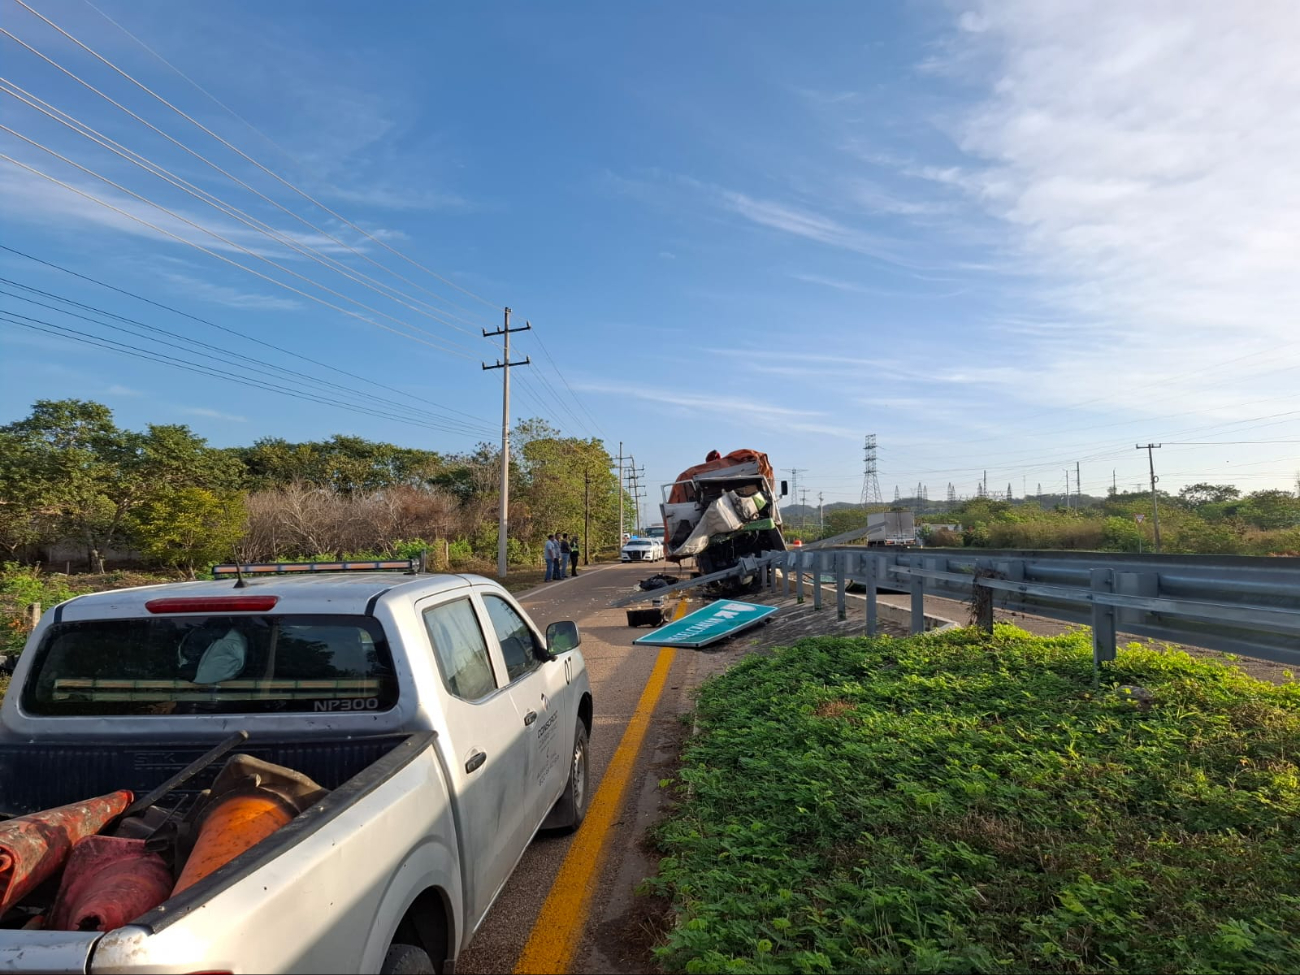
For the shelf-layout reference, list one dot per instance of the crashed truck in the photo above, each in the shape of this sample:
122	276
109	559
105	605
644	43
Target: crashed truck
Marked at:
723	511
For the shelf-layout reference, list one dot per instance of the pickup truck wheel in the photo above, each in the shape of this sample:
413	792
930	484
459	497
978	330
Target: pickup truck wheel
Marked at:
572	807
407	960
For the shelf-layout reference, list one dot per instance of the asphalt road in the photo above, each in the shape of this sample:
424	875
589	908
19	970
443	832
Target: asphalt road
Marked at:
618	673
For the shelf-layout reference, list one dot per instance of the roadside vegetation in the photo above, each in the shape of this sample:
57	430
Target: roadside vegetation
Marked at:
1206	519
964	802
77	492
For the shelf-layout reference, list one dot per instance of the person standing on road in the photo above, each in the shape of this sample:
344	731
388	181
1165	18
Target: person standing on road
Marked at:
573	553
551	552
564	553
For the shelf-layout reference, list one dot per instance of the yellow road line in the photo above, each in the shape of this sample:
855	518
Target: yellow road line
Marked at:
557	932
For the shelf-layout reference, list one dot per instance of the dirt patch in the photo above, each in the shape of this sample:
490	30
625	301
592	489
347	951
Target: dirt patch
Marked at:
628	941
834	709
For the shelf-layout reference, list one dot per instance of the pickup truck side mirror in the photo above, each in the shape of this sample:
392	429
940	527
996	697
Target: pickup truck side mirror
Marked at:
562	636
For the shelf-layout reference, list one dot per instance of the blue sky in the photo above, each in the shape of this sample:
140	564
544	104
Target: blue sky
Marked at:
1005	237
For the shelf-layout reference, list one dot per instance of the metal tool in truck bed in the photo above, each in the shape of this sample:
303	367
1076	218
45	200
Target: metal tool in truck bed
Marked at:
444	726
722	511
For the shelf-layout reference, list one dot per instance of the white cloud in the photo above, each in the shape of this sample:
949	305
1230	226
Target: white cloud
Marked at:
37	200
1142	160
116	390
213	414
221	294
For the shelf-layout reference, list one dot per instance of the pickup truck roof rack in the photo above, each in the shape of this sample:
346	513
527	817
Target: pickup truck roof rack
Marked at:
241	569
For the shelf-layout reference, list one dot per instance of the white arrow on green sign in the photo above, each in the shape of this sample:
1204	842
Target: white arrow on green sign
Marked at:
707	625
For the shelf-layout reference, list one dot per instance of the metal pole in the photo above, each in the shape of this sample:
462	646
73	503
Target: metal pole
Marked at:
503	519
586	517
1078	486
618	543
1155	507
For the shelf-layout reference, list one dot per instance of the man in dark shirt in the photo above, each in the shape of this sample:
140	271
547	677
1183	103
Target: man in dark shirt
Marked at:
574	552
564	553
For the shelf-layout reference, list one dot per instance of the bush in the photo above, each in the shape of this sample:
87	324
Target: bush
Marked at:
1121	535
944	538
964	803
20	586
460	552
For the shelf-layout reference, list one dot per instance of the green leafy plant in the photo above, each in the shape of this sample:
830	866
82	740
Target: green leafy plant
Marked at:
960	802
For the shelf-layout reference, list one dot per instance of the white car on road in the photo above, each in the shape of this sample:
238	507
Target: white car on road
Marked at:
643	550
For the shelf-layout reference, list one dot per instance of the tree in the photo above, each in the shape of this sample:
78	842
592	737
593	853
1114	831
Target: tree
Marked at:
1271	509
1198	495
191	526
559	478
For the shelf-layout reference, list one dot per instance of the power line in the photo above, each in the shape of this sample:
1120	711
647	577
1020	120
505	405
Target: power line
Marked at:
88	132
210	253
225	240
39	325
274	175
223	356
306	196
227	329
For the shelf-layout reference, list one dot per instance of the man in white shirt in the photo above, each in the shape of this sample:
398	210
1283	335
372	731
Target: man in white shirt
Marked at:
551	552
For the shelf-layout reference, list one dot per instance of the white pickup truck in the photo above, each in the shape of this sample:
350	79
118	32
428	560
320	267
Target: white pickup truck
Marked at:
447	727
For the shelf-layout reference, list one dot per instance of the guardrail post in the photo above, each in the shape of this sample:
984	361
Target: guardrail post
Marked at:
870	572
785	574
982	596
841	573
798	576
1103	618
818	566
770	578
1136	584
918	603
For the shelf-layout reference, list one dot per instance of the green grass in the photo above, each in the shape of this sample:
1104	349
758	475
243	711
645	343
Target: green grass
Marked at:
960	802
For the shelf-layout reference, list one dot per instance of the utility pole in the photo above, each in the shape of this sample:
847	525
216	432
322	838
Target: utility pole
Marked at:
821	516
505	365
1155	507
1078	487
1114	482
618	542
1067	488
803	509
586	517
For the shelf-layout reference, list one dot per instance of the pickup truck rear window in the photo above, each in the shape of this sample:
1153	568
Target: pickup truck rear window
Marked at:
212	665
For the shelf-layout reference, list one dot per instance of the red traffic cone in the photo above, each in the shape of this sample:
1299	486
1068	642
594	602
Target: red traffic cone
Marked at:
108	882
33	847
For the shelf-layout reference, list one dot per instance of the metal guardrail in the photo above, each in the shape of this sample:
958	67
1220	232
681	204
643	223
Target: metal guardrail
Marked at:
1236	604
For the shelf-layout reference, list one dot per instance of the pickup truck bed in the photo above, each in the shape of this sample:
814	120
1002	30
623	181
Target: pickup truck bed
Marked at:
42	775
230	895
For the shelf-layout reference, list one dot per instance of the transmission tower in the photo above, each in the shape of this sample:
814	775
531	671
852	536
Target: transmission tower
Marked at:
870	480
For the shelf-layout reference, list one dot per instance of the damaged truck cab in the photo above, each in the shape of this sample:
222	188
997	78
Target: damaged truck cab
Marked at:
443	728
722	511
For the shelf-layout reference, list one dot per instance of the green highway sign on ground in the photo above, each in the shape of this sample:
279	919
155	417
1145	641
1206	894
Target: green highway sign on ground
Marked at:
707	625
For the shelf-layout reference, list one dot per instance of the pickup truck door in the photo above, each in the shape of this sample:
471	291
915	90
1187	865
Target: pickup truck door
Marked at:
487	753
540	689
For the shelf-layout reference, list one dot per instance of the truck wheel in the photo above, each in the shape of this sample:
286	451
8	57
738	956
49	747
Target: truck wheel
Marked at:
572	807
407	960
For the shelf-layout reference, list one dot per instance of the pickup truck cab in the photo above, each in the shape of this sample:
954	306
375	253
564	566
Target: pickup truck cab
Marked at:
448	728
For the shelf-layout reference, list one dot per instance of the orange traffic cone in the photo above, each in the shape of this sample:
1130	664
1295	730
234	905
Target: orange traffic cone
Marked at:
109	881
249	801
33	847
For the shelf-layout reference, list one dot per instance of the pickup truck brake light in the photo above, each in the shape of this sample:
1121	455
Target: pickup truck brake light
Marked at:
212	604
